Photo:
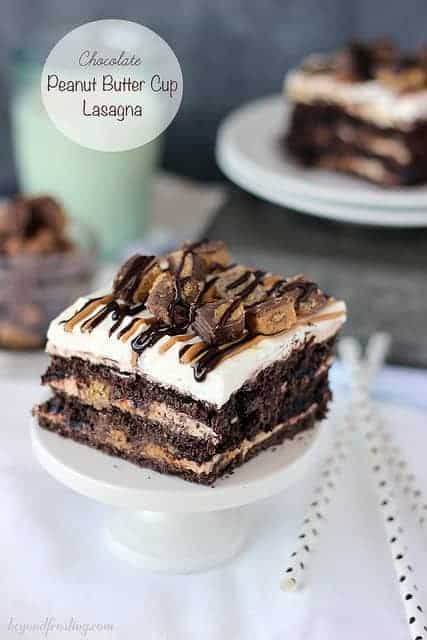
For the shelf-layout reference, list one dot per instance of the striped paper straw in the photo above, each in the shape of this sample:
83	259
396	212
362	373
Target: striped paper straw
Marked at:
315	517
404	478
382	480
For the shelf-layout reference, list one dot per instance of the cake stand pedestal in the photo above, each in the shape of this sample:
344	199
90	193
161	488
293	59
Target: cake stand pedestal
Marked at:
163	523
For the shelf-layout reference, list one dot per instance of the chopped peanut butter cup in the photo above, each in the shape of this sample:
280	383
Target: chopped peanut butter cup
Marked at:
213	254
170	298
405	76
135	278
272	316
220	322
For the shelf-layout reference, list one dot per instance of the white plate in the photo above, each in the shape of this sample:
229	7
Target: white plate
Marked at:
250	153
356	215
120	483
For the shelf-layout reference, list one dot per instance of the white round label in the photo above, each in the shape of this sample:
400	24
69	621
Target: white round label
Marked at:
111	85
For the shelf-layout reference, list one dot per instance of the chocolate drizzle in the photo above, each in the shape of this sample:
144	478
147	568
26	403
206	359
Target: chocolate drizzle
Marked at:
306	289
121	312
240	280
212	356
90	324
149	337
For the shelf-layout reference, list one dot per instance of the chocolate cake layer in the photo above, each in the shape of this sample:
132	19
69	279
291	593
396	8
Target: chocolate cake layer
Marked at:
161	427
288	384
131	440
325	135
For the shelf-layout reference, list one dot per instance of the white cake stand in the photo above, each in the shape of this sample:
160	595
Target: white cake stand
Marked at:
164	523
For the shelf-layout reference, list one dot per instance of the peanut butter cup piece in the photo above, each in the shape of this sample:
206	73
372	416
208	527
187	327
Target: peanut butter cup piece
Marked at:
384	51
406	75
308	297
220	322
355	63
239	281
185	264
170	298
47	212
271	316
213	254
135	278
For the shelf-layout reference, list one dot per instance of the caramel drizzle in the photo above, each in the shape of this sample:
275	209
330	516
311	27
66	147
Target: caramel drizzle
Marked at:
173	340
89	325
130	329
89	307
189	352
121	312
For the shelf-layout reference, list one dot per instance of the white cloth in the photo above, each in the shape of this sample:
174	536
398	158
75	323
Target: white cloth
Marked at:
54	563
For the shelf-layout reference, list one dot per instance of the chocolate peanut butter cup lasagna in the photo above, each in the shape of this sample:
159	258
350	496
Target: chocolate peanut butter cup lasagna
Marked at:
191	364
362	110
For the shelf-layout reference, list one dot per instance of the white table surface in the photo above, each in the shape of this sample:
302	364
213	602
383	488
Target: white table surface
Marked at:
54	564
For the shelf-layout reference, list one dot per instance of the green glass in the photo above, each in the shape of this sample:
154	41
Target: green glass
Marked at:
110	191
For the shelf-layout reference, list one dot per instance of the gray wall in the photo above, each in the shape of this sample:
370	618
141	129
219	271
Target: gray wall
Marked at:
230	51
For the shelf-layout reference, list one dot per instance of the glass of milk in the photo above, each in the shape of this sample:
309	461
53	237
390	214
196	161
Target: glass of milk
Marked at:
110	192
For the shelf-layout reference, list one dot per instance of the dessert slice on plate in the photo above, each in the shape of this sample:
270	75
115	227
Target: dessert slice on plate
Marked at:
363	111
191	365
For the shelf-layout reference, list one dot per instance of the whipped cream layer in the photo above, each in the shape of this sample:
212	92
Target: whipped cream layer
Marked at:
369	100
165	368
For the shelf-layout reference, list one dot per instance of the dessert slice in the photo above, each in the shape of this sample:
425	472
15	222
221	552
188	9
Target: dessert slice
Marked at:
363	111
191	365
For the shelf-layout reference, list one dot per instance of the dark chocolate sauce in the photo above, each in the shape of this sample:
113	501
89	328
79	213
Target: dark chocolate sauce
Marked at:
240	280
213	356
184	350
149	337
306	288
92	322
123	311
127	327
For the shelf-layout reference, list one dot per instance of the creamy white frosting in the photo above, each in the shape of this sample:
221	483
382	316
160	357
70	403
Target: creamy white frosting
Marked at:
369	100
165	368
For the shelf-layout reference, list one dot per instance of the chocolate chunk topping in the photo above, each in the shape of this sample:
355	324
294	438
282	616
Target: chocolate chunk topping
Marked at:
404	75
213	254
355	63
135	278
274	315
220	322
240	281
170	298
185	264
307	296
382	60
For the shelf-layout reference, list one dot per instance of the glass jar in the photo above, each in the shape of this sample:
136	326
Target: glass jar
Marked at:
35	288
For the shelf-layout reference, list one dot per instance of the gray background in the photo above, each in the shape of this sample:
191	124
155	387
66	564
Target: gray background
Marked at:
230	51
